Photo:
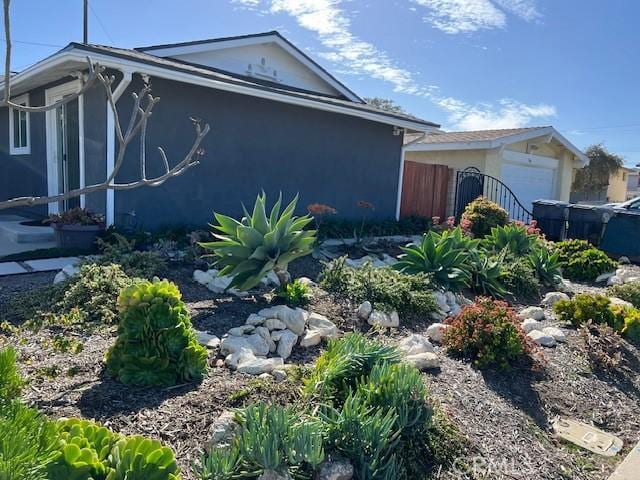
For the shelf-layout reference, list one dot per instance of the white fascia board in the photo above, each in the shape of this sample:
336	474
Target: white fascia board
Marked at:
243	42
434	147
169	74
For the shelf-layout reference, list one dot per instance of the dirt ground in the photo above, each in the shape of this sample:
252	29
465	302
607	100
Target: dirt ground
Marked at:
504	416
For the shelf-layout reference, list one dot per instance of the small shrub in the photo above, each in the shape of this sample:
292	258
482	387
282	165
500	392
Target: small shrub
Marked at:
156	343
386	288
631	328
568	249
344	362
586	266
76	216
257	244
487	333
629	292
586	307
520	279
270	438
484	215
28	443
513	238
604	347
11	381
121	251
294	294
445	257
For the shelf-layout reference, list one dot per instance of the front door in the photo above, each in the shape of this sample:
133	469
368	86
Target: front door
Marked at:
64	153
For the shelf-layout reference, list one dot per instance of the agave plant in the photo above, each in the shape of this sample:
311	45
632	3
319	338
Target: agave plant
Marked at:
547	265
513	238
444	256
486	273
251	248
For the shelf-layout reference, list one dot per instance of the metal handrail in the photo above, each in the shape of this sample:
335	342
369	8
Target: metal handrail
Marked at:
490	188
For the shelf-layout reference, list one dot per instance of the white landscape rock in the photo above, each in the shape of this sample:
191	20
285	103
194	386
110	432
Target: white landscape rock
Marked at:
556	333
423	361
435	331
258	344
266	335
241	330
335	469
286	341
279	375
441	301
241	355
383	319
536	313
542	338
311	337
529	325
202	277
364	310
233	344
414	344
223	430
551	298
274	324
294	319
619	302
255	319
321	323
207	340
614	281
259	365
604	277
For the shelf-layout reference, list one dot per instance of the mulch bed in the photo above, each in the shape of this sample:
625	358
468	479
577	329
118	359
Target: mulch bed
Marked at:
505	416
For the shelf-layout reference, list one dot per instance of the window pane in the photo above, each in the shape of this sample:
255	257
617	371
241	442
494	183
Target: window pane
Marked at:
23	129
16	128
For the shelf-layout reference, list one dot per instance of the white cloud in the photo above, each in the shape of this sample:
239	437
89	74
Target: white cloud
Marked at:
466	16
507	113
355	56
462	16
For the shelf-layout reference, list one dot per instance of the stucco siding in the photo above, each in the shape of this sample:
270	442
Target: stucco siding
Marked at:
617	190
255	145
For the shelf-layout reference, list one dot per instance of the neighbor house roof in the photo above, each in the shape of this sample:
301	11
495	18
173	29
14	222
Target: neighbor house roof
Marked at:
74	57
488	139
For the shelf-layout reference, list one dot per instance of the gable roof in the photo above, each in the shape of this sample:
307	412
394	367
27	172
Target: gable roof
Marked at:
74	56
489	139
173	49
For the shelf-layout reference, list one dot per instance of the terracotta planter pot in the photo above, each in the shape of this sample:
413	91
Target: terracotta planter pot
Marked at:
81	237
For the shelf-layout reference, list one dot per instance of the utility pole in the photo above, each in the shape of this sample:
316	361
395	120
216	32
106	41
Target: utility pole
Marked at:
85	32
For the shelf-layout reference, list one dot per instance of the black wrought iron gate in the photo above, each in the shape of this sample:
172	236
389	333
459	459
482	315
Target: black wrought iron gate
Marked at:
471	183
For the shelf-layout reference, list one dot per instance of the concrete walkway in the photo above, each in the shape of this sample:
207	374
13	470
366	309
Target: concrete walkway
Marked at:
31	266
17	238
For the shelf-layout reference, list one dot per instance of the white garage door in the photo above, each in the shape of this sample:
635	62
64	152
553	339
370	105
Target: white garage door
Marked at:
528	183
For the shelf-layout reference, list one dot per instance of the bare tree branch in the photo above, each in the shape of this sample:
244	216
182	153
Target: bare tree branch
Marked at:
143	104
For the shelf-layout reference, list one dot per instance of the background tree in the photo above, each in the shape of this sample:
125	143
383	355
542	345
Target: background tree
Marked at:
385	104
595	177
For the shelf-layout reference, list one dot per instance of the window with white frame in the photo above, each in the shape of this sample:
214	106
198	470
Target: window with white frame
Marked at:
19	130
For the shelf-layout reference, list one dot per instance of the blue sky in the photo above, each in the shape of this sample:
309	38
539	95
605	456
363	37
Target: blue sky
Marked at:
467	64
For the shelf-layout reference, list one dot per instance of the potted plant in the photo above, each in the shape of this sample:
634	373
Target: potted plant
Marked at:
77	228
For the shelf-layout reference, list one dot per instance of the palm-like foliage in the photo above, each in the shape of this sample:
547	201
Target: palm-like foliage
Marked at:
444	256
547	266
486	274
514	238
259	243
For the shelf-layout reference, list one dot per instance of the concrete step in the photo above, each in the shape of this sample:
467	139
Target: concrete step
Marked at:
18	233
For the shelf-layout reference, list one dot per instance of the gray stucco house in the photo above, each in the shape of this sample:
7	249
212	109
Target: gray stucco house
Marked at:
279	122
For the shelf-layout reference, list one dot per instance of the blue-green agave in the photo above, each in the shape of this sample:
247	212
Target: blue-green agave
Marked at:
513	238
259	243
445	256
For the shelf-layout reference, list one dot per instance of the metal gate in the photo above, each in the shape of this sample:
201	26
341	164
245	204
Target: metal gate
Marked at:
471	184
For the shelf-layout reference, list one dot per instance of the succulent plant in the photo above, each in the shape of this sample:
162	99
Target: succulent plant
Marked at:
156	343
513	238
546	265
140	458
445	256
251	248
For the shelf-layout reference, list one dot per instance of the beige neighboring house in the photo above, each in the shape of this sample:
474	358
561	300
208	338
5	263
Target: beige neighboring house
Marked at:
534	163
633	183
618	185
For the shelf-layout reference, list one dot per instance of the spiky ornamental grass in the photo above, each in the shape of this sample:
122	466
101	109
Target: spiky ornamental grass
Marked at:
259	243
156	343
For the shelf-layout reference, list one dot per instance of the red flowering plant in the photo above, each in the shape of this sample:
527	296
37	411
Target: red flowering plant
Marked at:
319	211
450	224
489	334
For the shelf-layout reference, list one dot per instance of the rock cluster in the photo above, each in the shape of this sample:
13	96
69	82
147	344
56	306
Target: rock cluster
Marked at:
532	324
551	298
267	338
377	317
66	273
449	304
419	352
621	276
219	283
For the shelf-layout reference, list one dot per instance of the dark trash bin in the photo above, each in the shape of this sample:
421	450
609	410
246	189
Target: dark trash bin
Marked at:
622	235
551	216
586	222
